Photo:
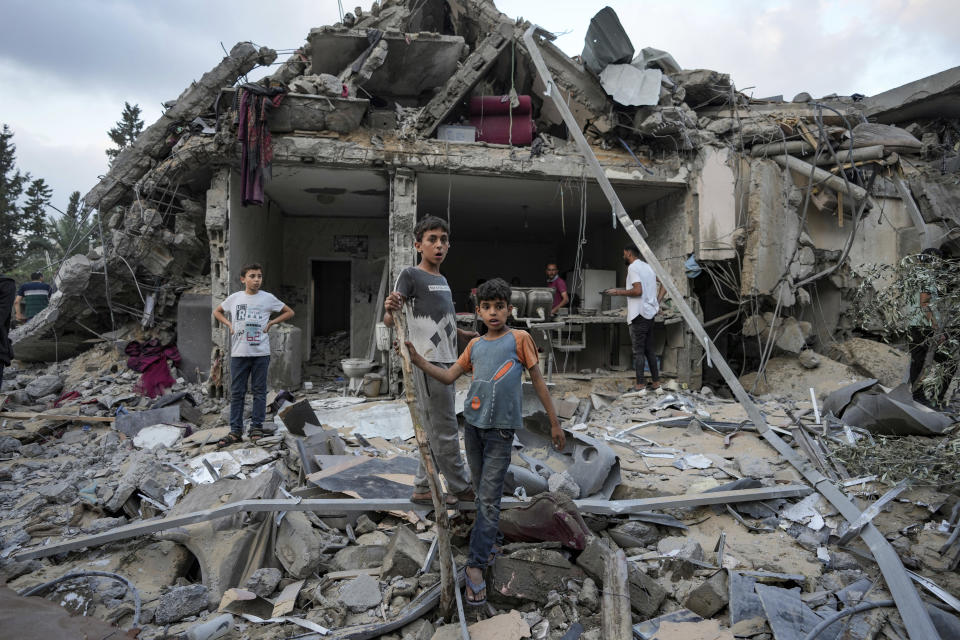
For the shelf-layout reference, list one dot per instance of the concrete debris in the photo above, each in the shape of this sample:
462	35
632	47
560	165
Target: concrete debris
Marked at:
181	602
771	206
361	593
264	581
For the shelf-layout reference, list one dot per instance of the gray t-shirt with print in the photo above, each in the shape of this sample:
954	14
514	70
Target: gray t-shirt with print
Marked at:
433	323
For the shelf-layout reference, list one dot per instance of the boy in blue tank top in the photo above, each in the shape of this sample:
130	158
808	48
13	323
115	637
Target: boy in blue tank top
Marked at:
492	412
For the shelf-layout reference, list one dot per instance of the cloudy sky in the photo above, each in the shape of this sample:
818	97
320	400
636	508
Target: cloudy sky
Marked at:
67	66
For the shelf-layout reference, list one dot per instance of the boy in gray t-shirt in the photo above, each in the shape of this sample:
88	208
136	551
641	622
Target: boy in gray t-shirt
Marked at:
433	331
492	414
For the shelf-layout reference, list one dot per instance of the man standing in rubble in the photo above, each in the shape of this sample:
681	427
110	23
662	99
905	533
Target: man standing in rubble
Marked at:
926	330
643	294
8	289
33	296
555	282
433	332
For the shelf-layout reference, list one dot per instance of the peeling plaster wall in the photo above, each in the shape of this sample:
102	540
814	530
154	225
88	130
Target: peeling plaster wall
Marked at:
717	214
886	234
255	234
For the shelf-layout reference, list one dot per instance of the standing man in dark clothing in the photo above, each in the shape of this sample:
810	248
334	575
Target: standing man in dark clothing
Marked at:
34	296
8	289
555	282
644	293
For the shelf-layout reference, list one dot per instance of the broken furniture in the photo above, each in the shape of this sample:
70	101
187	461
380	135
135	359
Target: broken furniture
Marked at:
570	338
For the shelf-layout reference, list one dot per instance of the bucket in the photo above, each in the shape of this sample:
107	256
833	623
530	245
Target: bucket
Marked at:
371	385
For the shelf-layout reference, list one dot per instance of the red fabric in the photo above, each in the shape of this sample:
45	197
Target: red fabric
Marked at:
498	105
70	395
150	359
491	117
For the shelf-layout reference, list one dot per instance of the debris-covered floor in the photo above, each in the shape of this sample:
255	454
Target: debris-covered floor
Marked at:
787	228
720	536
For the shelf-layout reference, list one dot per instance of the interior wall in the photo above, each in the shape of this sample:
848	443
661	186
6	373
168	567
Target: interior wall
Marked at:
469	261
308	239
885	235
256	235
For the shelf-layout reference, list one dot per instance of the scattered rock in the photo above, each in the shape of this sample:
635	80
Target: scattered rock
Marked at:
710	597
9	445
405	554
564	484
181	602
361	593
264	581
589	595
44	386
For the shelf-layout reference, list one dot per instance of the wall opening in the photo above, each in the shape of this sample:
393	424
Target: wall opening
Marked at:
331	296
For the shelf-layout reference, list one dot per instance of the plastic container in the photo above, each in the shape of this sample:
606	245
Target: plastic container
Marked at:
457	133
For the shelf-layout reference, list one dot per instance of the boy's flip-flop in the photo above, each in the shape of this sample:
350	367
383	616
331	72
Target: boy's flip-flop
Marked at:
254	435
229	439
475	589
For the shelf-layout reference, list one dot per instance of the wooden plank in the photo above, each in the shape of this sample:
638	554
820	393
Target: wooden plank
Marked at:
339	506
615	619
414	387
31	415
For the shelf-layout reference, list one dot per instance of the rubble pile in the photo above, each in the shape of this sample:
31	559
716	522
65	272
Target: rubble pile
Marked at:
672	512
82	497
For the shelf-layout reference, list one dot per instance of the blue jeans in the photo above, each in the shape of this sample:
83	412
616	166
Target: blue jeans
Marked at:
488	454
241	368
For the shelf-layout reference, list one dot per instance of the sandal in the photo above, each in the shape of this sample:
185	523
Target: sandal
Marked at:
254	435
229	439
475	589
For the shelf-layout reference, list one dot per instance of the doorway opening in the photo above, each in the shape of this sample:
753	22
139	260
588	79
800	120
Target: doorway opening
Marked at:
331	296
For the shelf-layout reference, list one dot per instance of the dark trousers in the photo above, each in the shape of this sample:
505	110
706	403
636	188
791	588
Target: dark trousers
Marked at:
641	336
253	368
488	454
921	340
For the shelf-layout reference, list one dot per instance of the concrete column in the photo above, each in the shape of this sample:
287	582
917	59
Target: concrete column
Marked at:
217	220
403	217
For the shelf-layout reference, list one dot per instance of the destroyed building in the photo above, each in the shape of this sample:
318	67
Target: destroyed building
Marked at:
766	213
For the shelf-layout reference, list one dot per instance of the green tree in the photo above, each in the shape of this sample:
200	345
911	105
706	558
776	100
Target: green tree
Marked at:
69	234
11	188
128	128
34	213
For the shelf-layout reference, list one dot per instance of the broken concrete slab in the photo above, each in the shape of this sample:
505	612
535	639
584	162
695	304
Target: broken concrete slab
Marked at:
873	360
414	63
181	602
264	581
710	597
506	626
299	546
132	422
361	593
530	574
631	86
405	554
158	435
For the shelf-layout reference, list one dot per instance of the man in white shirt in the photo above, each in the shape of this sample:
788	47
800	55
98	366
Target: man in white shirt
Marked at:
643	295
